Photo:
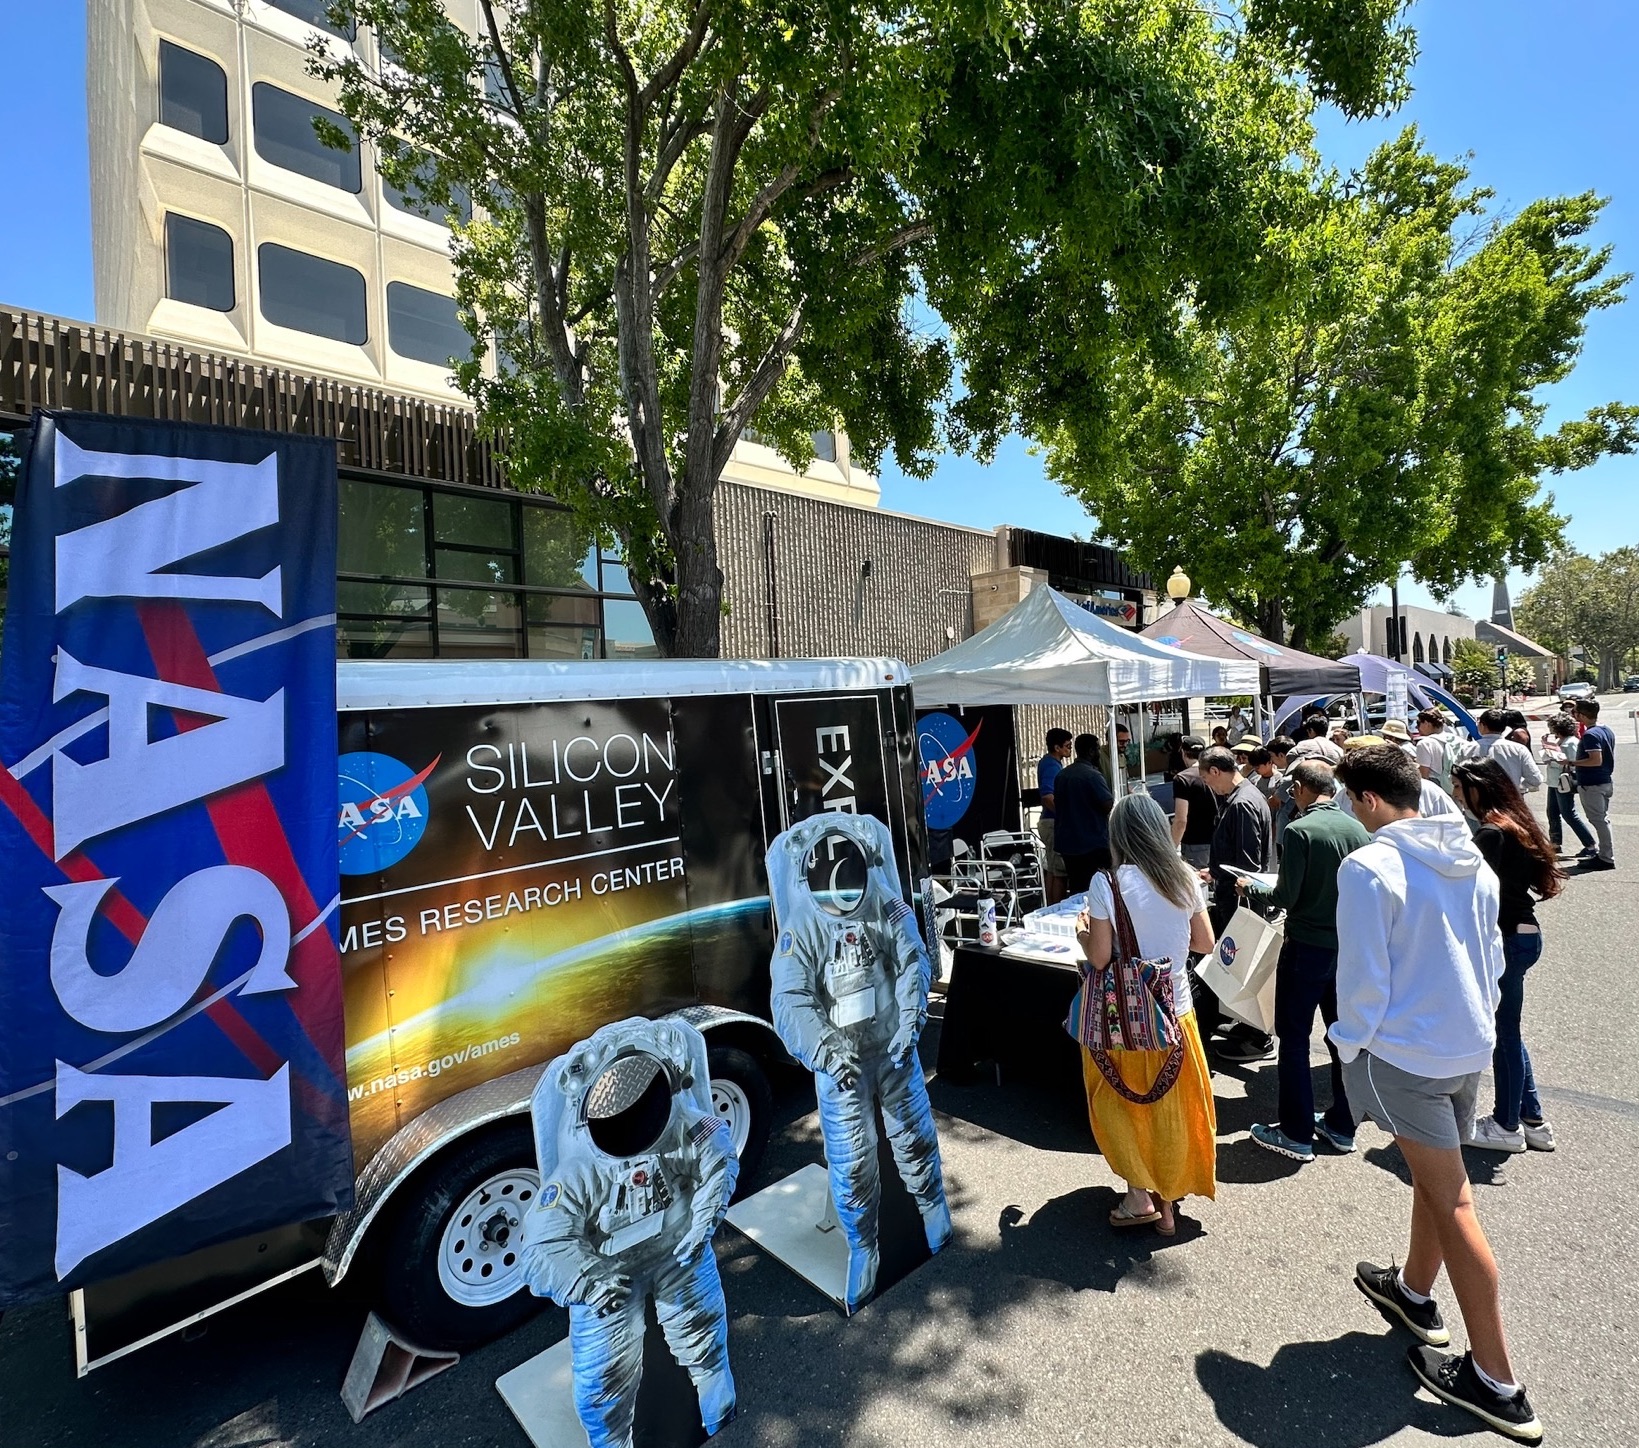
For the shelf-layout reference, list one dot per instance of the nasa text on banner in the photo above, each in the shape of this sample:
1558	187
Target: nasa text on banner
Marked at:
171	1044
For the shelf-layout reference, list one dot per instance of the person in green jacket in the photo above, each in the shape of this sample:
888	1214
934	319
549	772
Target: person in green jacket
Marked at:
1312	847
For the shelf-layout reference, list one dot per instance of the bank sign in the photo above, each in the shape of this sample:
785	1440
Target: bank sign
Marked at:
171	1036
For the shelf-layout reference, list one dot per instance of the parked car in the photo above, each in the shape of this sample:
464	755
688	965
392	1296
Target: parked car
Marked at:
1567	692
1630	685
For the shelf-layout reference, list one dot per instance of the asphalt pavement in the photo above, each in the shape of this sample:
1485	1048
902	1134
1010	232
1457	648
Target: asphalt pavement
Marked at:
1040	1325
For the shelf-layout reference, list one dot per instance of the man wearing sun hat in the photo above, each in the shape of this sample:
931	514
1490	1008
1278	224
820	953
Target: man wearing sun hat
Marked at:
1395	731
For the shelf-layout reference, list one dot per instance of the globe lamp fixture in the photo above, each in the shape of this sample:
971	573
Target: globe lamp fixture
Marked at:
1178	585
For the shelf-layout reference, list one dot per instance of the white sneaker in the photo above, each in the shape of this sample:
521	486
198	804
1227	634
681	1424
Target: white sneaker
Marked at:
1539	1137
1488	1136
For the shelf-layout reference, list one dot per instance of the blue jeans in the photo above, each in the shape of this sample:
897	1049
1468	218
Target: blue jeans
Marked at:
1306	982
1562	808
1511	1062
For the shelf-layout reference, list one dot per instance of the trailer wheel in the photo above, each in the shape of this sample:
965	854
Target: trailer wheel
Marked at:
452	1274
741	1095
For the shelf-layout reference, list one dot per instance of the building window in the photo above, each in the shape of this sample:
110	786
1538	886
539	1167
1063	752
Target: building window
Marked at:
316	12
825	446
428	572
310	294
193	94
1446	652
1417	648
198	263
425	326
411	202
283	127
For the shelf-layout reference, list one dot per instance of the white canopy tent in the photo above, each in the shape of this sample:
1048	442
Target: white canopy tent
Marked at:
1051	650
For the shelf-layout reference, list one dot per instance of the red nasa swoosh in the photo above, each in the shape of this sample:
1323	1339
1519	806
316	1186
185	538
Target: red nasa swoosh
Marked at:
963	748
396	792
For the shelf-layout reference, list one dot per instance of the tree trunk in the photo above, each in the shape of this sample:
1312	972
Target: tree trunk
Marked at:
699	579
1271	620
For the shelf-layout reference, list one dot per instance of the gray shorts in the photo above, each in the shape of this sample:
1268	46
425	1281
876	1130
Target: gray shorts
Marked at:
1052	861
1435	1112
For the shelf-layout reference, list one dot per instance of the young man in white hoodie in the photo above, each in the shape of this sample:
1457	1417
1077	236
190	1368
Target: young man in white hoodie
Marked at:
1419	961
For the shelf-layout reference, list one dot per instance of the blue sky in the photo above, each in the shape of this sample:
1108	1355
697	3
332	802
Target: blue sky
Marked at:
1541	95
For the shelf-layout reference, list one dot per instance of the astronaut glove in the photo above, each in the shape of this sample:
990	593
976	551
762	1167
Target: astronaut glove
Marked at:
840	1063
609	1294
903	1045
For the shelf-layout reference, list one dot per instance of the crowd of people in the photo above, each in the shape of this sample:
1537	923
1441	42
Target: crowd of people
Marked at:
1405	866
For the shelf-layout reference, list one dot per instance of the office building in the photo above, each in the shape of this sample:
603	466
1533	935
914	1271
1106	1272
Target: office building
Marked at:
222	221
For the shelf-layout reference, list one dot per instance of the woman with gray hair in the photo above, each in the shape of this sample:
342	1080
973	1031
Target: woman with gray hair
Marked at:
1166	1150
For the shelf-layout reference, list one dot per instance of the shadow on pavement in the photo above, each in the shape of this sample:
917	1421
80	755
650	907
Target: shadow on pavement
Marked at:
1346	1392
1244	1161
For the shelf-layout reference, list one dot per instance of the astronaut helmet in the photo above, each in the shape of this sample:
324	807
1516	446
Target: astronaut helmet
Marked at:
841	863
620	1090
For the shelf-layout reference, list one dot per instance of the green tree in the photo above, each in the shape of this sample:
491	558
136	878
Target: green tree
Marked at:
693	213
1382	413
1588	602
1474	671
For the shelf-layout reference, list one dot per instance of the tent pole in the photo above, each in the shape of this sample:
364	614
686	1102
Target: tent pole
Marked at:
1115	755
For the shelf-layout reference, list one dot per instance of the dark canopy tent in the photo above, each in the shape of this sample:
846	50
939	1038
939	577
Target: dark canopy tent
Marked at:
1284	671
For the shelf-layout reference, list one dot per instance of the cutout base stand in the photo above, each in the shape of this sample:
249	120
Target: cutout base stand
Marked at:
795	1222
541	1394
385	1366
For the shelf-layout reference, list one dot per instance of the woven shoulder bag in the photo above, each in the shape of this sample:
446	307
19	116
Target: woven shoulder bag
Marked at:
1127	1005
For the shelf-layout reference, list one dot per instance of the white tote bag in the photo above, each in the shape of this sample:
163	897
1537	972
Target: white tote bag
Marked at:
1240	971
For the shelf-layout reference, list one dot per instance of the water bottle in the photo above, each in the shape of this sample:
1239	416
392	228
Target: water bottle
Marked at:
987	921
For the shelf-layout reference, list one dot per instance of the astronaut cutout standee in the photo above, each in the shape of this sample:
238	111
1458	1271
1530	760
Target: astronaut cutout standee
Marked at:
636	1173
850	980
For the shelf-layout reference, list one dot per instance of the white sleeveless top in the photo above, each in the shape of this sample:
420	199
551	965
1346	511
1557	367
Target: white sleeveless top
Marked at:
1161	927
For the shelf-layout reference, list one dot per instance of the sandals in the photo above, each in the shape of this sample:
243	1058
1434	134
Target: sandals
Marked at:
1166	1229
1121	1217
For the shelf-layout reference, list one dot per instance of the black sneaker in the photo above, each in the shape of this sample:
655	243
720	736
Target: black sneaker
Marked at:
1453	1380
1243	1050
1382	1285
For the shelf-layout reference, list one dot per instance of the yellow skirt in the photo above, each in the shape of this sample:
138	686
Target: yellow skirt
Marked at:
1171	1147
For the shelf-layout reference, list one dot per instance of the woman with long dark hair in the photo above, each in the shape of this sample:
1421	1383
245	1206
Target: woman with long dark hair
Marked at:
1527	867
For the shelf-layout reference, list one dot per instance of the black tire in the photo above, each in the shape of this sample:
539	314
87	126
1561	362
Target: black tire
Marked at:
740	1070
413	1297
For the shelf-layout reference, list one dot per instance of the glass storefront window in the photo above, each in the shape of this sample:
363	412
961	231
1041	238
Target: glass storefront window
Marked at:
563	643
384	638
626	631
615	579
479	623
554	550
561	608
477	522
381	530
485	568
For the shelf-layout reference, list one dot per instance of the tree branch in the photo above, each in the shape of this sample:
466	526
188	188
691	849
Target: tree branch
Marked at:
762	381
664	78
894	241
502	58
674	268
766	199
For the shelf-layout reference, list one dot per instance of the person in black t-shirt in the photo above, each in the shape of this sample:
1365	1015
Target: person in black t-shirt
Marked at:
1195	807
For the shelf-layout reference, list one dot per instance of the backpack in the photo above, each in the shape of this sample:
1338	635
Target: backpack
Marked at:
1457	749
1127	1005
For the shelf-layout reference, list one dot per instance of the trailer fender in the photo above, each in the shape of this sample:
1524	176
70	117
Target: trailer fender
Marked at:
418	1141
415	1143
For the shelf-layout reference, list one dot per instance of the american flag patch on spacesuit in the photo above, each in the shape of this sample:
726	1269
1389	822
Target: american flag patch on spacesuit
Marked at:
899	913
704	1127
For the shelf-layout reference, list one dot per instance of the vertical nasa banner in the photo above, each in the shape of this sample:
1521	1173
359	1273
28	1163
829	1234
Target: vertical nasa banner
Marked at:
970	778
171	1063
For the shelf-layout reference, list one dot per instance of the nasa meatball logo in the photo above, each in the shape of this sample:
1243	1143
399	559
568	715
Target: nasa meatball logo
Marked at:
949	775
1228	950
382	811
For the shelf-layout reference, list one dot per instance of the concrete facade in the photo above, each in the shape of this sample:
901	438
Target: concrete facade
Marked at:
148	175
1431	636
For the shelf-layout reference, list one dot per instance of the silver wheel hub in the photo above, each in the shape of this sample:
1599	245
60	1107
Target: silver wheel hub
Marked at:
732	1104
478	1254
